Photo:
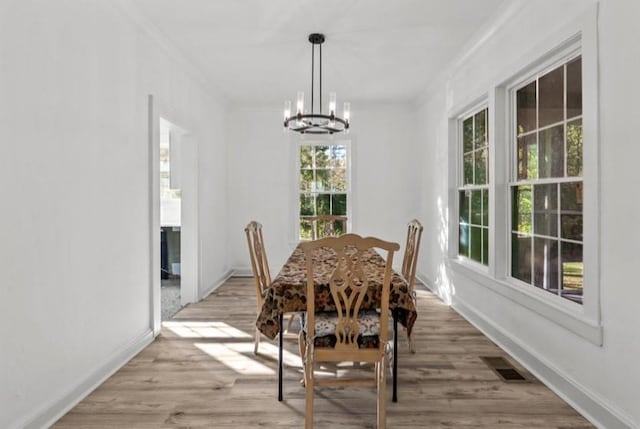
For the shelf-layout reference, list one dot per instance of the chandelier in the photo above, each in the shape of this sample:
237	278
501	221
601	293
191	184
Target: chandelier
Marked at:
316	123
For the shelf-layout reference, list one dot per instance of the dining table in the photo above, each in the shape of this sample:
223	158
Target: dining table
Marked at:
287	293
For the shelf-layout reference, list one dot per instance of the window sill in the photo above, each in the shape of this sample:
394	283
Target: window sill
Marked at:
566	314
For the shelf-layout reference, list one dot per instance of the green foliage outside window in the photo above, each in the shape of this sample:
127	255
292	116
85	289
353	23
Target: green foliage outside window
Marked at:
323	184
473	238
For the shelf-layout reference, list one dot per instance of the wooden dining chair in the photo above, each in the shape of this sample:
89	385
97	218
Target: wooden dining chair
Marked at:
349	334
410	261
325	225
259	266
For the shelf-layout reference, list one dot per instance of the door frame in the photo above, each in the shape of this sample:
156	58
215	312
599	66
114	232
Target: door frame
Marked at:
189	241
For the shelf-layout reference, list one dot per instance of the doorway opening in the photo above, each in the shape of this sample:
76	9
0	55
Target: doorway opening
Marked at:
170	219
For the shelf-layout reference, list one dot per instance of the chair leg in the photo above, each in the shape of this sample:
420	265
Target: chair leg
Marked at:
394	396
382	394
290	322
412	347
309	385
257	342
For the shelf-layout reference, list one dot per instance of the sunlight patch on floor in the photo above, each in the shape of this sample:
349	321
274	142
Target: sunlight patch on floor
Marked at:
194	329
235	357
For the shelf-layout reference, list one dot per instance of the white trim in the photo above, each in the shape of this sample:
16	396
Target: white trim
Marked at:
593	407
584	320
507	10
317	140
133	14
563	312
54	409
154	217
189	230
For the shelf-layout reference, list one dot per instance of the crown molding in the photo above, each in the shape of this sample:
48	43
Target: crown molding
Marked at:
134	15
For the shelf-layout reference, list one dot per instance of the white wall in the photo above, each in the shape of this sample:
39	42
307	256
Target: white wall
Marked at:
261	177
74	163
602	381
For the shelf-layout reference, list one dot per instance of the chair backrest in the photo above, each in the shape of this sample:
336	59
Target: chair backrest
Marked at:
258	256
326	226
349	282
410	260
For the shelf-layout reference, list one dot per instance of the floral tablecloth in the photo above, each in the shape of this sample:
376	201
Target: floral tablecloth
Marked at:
288	291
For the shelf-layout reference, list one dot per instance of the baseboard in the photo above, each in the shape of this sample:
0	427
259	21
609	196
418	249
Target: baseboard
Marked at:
242	272
48	414
216	284
586	402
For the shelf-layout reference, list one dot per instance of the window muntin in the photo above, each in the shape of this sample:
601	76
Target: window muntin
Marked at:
546	192
473	194
323	184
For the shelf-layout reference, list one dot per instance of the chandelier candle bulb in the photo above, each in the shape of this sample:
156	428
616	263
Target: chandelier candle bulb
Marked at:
332	103
300	103
287	109
347	111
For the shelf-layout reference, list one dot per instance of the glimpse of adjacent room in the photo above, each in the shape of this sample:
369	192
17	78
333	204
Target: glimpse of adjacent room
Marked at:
170	221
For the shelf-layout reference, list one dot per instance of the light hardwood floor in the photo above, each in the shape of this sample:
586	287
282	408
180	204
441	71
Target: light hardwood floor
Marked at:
201	373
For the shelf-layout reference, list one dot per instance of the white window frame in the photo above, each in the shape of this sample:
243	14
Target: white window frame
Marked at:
457	122
562	57
318	141
583	320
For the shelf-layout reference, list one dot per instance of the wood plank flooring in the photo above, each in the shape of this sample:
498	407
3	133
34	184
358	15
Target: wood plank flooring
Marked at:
201	373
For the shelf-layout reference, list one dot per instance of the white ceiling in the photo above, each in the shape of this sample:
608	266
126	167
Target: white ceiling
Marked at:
257	51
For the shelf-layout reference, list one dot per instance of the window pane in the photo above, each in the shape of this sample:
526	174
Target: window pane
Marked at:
521	257
572	271
339	179
521	220
464	207
476	207
468	169
476	244
551	154
323	204
467	135
571	213
545	258
527	157
485	207
480	136
305	230
485	246
339	156
545	209
306	180
339	204
574	88
574	148
463	241
322	180
526	108
322	156
481	166
307	204
306	157
551	87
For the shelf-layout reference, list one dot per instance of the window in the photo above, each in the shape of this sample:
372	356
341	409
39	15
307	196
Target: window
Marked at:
473	194
546	186
323	185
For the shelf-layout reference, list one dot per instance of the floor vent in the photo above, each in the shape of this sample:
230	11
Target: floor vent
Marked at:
503	368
